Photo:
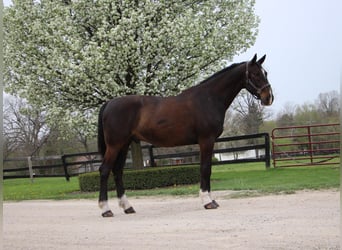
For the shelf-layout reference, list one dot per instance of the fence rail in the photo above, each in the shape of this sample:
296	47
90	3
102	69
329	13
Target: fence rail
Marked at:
63	164
306	145
251	146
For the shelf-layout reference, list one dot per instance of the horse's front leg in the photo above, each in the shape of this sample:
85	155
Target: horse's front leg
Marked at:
123	201
206	157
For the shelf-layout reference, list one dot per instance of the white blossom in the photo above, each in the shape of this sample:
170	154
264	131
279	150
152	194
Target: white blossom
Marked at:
70	56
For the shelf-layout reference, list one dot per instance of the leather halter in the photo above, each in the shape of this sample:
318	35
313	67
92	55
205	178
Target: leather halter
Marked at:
256	89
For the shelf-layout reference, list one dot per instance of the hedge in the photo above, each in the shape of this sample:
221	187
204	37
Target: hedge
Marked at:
144	179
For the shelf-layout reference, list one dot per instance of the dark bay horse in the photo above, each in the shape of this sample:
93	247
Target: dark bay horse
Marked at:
194	116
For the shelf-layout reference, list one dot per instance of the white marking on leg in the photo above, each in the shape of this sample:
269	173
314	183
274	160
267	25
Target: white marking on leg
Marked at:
210	196
104	206
205	197
123	202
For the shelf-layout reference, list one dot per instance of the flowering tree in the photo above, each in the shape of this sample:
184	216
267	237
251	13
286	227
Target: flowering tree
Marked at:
70	56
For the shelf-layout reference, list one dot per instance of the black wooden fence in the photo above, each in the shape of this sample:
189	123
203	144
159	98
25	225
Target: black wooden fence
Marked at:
251	143
73	164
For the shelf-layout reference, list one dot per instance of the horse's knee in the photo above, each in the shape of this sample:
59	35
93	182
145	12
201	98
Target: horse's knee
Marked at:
104	171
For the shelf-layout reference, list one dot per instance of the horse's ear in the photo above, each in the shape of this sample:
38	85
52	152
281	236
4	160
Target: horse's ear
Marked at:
261	60
254	58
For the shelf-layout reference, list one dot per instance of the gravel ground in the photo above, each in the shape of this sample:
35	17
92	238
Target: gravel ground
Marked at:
304	220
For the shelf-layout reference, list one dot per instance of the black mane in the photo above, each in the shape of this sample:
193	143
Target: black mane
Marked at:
215	75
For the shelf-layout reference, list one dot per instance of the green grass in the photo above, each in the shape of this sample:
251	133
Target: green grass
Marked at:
246	177
41	188
276	180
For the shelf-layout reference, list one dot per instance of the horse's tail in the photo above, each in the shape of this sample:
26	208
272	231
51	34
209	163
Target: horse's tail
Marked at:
100	134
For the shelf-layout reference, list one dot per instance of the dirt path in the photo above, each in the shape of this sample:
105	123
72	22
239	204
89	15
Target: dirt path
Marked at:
305	220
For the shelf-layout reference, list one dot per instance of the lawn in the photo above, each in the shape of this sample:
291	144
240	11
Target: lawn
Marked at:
250	177
41	188
276	180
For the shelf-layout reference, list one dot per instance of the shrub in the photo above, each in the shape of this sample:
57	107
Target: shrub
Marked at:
214	159
144	179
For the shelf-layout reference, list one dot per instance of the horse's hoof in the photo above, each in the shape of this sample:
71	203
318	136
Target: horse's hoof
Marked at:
215	203
211	205
130	210
107	214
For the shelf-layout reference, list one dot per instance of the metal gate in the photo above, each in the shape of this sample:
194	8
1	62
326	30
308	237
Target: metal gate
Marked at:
306	145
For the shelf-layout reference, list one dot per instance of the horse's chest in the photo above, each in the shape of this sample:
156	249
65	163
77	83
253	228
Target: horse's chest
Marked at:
212	126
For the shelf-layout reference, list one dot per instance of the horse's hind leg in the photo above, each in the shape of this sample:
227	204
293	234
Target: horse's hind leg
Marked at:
118	174
106	166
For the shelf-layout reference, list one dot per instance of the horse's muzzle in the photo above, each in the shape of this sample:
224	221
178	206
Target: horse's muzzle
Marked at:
266	97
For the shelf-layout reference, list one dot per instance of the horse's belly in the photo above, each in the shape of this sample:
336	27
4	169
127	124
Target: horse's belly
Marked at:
167	136
168	122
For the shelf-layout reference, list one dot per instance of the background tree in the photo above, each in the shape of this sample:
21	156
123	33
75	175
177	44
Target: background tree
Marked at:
250	114
325	109
245	116
286	116
25	130
26	133
307	113
68	57
329	104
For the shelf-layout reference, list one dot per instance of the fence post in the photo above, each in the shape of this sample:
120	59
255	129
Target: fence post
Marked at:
150	151
310	145
65	166
29	161
267	151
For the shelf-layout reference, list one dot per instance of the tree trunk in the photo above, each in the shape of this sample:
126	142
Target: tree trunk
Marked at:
137	156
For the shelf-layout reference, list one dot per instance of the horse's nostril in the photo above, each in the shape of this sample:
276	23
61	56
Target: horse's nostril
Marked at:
270	99
267	100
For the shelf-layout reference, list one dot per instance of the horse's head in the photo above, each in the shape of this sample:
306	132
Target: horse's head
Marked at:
256	81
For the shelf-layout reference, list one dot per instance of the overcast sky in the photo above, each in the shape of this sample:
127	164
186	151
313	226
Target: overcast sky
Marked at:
303	43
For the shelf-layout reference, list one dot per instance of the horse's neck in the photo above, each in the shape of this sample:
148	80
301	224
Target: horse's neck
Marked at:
228	86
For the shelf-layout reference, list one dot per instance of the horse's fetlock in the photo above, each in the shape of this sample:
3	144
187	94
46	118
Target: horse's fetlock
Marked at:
123	202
